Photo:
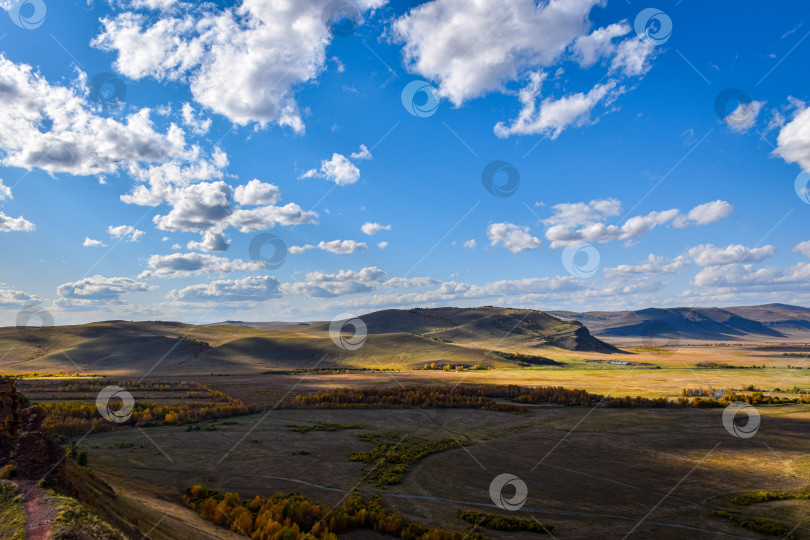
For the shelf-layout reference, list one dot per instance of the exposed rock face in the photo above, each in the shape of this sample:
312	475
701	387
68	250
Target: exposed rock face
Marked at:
31	419
37	456
21	441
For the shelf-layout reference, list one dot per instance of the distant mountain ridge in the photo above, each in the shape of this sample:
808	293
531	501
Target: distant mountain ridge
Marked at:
761	323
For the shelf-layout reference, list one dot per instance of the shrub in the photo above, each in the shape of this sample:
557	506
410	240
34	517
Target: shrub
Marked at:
9	472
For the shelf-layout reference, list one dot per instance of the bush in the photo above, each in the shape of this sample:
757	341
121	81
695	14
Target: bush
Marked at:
9	472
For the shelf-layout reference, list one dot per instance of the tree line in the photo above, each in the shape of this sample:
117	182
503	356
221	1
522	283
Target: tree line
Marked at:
294	517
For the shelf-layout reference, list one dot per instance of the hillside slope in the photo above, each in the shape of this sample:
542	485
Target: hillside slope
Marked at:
485	327
397	339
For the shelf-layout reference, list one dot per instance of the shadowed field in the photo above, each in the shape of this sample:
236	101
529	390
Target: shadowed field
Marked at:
591	473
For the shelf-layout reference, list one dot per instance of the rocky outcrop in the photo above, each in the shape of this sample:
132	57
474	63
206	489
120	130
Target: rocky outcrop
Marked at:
21	441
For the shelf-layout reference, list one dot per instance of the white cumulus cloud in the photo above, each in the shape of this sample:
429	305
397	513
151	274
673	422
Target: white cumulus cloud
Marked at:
513	237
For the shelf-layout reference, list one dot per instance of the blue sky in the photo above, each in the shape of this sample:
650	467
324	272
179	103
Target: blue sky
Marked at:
251	118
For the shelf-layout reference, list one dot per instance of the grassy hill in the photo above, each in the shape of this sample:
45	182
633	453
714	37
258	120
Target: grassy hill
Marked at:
397	339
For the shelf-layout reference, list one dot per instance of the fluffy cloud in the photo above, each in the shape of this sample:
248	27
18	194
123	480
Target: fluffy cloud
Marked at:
552	116
322	285
55	128
793	142
126	232
5	191
198	125
409	283
249	289
382	245
9	298
8	224
211	241
179	265
160	181
746	275
266	217
582	213
89	242
513	237
709	255
470	244
339	170
98	291
653	265
449	291
373	228
197	207
256	193
744	116
704	214
362	153
803	248
474	47
589	49
341	247
582	222
244	62
199	204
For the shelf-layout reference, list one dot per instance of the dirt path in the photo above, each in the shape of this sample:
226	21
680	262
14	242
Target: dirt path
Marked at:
39	512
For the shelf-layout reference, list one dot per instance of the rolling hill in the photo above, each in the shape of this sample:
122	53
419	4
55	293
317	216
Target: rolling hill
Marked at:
397	339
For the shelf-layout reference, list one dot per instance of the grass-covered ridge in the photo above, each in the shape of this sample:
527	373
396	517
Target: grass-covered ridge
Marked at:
12	513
